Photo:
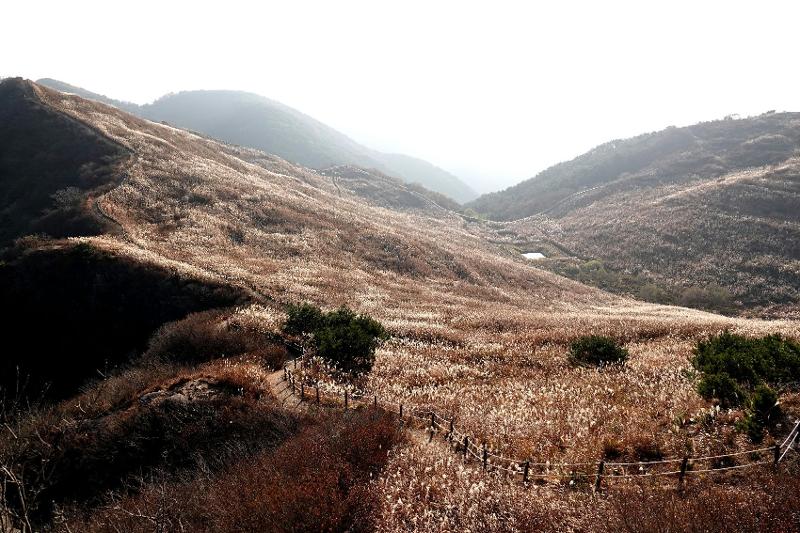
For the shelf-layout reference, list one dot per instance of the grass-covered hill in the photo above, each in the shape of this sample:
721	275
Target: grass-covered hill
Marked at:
50	166
672	156
715	204
172	423
251	120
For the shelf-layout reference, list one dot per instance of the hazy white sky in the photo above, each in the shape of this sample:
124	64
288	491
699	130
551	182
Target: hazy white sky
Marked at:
492	91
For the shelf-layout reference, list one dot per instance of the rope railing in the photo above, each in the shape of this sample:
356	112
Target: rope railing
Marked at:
490	460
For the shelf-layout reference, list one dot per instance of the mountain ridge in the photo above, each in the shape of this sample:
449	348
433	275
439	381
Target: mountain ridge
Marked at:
709	206
252	120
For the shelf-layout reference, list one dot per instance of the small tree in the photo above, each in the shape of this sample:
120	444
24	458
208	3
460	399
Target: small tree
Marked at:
303	319
596	350
349	340
343	337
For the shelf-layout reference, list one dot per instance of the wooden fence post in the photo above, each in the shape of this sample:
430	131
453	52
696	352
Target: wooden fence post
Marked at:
682	474
450	434
433	422
776	455
401	410
526	471
430	435
599	477
485	456
345	399
466	446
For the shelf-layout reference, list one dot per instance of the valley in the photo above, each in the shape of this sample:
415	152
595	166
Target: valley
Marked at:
204	244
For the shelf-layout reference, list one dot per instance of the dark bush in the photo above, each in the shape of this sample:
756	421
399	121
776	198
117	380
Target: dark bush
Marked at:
762	411
349	340
302	319
344	338
738	371
596	350
722	387
318	480
80	461
748	361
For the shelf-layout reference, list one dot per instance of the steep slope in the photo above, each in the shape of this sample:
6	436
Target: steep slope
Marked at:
251	120
49	166
711	204
89	95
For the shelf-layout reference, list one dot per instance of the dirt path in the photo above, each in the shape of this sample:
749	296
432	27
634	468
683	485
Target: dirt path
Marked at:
283	392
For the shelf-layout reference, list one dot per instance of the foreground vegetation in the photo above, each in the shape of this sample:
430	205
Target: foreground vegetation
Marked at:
740	371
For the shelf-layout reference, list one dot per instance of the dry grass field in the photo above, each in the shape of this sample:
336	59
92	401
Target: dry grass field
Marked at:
478	333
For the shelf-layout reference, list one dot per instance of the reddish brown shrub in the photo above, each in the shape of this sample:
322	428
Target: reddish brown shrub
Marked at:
760	502
208	335
316	481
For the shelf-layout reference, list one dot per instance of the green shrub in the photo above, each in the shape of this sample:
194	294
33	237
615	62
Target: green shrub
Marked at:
722	387
738	371
302	319
349	340
771	359
342	337
762	411
596	350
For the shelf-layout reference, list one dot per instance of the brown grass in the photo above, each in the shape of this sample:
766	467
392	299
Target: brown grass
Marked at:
156	417
316	481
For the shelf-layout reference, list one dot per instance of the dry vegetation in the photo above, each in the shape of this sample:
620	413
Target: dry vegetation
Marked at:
684	209
478	333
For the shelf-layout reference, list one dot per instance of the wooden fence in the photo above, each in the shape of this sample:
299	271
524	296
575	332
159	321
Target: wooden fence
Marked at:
594	472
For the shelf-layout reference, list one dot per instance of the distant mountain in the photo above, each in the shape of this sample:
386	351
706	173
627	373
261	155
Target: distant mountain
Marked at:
714	204
705	150
255	121
83	93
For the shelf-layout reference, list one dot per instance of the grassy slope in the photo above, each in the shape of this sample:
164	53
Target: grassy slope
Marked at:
448	295
713	203
49	164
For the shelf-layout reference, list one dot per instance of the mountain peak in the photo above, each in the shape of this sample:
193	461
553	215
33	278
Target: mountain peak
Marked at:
255	121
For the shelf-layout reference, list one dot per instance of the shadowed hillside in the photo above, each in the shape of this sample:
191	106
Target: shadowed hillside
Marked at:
49	166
